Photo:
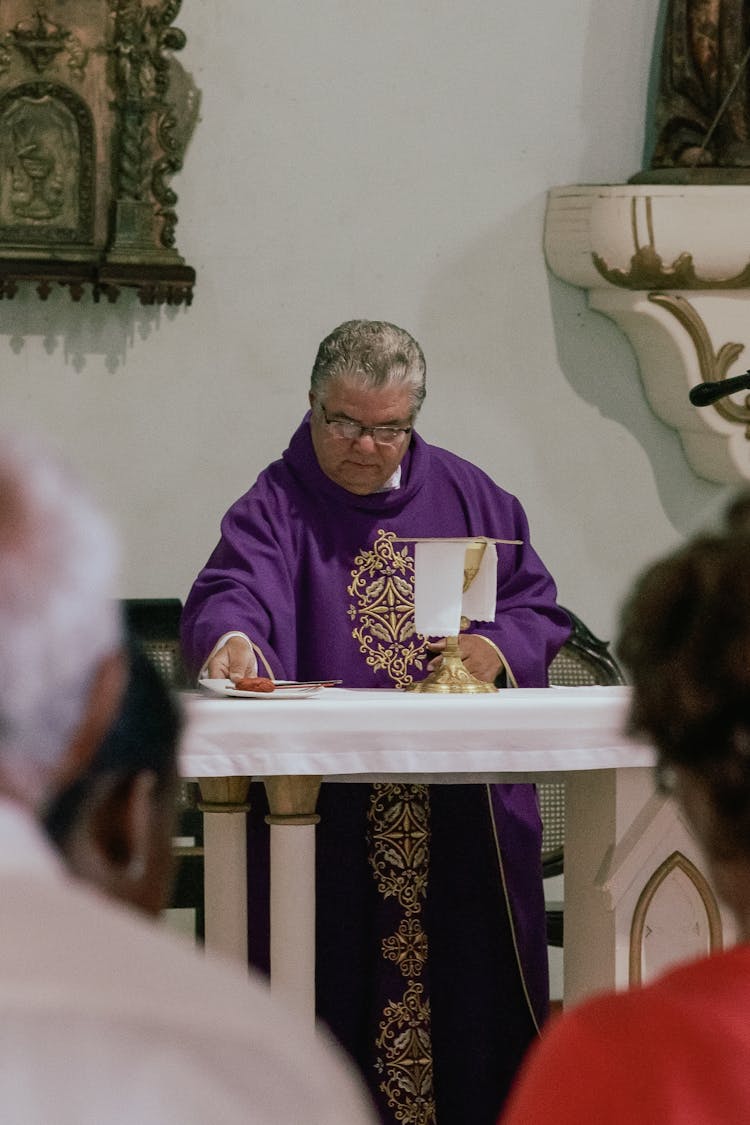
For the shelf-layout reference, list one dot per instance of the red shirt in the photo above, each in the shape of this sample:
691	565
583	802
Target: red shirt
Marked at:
675	1051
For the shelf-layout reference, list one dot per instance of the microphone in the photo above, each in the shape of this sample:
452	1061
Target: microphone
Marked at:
705	393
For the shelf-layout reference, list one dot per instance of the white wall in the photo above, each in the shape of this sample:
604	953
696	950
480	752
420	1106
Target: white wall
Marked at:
388	161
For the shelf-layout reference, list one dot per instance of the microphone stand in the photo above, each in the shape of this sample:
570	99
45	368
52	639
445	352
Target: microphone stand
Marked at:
703	394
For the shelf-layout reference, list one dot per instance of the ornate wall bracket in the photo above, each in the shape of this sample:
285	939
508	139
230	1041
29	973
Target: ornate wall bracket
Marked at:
670	265
93	126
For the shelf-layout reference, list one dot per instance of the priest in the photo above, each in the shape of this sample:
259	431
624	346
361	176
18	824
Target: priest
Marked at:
431	950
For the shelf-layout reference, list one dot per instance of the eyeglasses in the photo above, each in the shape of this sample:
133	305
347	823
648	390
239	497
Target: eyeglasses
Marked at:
345	430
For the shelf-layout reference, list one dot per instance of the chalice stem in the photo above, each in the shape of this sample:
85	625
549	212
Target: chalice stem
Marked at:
451	675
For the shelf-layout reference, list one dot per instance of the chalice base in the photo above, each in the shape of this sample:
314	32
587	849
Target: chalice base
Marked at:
452	676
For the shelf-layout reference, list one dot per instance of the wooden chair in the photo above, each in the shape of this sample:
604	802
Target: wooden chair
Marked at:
582	661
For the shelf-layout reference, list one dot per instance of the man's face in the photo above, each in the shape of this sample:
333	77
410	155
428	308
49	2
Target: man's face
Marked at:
359	464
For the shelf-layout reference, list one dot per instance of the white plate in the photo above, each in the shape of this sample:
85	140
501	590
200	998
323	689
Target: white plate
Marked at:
285	689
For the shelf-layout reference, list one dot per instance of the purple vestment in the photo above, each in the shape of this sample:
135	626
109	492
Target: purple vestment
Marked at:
428	897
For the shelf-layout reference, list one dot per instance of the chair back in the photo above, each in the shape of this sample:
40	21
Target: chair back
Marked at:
155	622
584	660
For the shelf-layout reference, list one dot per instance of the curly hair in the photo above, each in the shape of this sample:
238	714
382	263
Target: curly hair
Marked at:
685	641
376	353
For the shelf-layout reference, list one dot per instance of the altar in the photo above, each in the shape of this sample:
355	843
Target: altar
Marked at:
636	898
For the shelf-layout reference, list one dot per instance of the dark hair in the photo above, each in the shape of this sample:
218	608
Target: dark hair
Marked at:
737	516
144	737
685	641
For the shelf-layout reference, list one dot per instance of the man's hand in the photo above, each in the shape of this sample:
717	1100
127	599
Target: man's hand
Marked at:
478	656
233	661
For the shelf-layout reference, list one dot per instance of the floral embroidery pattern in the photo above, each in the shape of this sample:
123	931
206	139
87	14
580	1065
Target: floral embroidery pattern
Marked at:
405	1040
382	610
400	835
399	851
407	948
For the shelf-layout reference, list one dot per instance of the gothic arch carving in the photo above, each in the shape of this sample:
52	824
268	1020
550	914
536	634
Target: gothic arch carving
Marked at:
676	862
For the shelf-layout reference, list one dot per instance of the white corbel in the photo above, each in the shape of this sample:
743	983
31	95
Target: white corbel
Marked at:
670	264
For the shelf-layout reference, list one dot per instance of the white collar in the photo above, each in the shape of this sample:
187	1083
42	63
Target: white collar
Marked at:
393	482
23	845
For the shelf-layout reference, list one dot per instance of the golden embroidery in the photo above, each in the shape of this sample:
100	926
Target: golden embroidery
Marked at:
405	1040
407	948
399	852
383	610
400	835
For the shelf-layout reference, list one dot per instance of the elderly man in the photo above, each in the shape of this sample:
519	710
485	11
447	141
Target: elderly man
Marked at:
431	956
105	1017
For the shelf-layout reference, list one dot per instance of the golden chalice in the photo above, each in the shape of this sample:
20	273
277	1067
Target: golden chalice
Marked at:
452	675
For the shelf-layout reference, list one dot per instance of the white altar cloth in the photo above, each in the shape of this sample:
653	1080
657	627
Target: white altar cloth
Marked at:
514	735
373	734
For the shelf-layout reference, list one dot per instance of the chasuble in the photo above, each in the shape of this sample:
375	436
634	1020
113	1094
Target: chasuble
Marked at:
431	944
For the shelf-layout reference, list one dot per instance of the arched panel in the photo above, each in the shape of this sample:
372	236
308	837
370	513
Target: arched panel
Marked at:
46	167
676	918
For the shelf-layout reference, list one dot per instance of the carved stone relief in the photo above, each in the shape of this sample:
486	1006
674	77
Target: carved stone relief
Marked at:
92	130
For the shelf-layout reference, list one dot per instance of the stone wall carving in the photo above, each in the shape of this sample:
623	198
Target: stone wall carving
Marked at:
92	130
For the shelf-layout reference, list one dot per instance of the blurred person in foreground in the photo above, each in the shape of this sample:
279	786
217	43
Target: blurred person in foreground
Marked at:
676	1051
105	1017
431	953
114	823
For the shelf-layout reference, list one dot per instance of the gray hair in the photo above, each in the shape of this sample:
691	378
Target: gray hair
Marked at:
374	353
58	616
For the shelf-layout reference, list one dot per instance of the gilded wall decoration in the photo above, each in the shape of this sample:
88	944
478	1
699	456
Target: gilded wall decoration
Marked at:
91	133
669	264
647	269
713	366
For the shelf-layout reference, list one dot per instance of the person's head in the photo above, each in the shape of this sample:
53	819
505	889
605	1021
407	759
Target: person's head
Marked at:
61	670
685	641
114	823
370	374
737	517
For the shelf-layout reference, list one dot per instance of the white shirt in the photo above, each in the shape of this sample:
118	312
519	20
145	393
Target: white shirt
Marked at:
107	1019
